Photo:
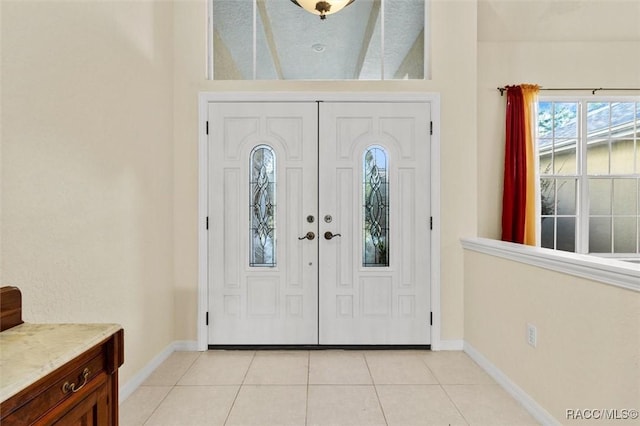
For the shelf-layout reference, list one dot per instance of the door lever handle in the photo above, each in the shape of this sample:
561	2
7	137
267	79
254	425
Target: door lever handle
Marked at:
328	235
308	236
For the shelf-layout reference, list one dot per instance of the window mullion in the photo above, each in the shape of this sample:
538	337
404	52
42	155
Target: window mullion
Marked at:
254	41
582	243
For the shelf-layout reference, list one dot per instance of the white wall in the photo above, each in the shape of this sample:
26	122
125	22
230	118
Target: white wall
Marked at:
454	46
1	197
588	343
87	172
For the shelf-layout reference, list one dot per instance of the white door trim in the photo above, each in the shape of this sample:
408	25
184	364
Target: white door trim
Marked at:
203	100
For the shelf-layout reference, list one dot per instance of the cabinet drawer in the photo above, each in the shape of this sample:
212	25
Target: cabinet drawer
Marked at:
69	381
89	407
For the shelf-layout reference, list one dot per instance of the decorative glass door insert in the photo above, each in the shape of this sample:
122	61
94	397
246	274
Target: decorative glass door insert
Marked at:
375	207
263	206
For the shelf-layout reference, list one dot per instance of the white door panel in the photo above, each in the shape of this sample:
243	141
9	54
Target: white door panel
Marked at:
387	303
274	304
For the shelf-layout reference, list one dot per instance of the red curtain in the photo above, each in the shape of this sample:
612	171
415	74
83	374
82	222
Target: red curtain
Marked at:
514	197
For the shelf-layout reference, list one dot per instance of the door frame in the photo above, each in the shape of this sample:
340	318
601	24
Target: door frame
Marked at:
204	98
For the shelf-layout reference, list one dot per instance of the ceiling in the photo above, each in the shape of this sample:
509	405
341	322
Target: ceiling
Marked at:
291	43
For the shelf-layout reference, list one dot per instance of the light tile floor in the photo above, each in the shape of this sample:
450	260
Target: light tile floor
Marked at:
323	387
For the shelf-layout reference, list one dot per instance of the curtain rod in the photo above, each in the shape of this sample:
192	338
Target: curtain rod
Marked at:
593	91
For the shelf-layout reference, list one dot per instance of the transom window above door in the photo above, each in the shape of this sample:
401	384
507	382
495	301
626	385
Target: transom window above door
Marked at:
279	40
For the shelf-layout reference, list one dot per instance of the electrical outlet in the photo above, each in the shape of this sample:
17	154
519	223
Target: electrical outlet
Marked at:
532	335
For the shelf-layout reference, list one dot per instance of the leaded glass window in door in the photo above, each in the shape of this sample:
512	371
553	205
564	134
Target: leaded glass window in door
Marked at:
262	206
375	207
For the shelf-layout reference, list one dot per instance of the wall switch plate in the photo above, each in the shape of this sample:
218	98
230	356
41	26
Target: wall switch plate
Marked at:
532	335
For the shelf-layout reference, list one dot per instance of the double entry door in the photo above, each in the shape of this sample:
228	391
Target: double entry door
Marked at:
318	223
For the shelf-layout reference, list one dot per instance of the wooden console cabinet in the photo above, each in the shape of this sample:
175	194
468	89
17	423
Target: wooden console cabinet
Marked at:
59	374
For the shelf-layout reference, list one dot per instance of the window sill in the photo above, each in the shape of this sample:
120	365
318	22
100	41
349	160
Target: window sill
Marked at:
605	270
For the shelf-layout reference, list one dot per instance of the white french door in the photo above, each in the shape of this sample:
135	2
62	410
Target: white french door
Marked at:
263	280
374	174
318	223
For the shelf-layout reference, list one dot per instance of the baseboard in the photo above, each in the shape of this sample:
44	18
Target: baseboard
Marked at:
130	387
448	345
535	409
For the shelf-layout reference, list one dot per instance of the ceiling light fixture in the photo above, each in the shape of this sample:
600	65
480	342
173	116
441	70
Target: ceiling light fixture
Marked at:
323	7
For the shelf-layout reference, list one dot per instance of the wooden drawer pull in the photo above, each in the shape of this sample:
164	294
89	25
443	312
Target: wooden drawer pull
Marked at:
71	387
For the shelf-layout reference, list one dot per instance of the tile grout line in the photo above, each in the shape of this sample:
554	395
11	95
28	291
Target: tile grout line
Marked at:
170	390
433	373
442	386
375	389
235	398
157	406
306	407
455	405
188	368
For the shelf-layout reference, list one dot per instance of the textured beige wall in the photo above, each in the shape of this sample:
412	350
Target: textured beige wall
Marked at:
588	351
453	46
87	168
1	121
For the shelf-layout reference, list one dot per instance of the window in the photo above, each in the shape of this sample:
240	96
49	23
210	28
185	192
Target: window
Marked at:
589	164
375	207
262	206
278	40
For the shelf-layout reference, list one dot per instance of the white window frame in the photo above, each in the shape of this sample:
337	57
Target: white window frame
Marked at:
582	176
426	72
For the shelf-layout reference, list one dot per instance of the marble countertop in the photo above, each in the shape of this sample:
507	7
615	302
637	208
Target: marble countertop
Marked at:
29	352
